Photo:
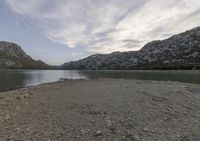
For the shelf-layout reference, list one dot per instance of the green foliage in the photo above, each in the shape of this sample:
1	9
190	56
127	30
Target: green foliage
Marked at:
24	63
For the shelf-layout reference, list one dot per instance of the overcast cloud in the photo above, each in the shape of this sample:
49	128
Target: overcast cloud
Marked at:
85	27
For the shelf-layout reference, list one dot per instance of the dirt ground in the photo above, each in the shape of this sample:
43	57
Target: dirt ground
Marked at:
102	110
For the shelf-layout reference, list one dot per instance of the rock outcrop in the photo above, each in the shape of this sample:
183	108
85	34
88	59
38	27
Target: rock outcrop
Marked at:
13	57
180	51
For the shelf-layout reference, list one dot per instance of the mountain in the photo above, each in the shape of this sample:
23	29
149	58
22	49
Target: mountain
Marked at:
13	57
180	51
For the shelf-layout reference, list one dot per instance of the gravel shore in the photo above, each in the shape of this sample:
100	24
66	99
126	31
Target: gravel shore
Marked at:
102	110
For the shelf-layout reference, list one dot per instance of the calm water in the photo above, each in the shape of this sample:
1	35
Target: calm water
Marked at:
23	78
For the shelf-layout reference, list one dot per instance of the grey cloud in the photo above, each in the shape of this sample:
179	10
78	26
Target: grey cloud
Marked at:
131	43
107	25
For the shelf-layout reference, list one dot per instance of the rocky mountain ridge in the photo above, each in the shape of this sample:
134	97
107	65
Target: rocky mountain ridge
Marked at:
13	57
180	51
11	49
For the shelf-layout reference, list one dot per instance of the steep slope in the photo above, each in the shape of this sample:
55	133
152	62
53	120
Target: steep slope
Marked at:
13	57
181	51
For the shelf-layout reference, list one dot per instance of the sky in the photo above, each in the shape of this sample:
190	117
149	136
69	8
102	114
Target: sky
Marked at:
58	31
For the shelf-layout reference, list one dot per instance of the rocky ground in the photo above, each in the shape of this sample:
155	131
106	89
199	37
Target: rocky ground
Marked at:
102	110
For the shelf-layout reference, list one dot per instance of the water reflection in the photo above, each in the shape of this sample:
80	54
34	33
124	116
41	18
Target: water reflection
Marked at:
24	78
10	80
46	76
181	76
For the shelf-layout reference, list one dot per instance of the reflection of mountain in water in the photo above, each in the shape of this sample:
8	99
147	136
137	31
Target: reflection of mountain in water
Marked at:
12	79
182	76
23	78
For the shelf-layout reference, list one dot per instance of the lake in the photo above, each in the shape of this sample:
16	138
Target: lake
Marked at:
23	78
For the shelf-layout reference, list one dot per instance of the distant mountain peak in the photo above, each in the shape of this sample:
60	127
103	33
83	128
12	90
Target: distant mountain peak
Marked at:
12	56
12	50
180	51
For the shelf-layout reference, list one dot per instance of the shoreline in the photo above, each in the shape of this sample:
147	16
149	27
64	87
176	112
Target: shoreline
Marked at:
102	109
8	81
21	87
66	79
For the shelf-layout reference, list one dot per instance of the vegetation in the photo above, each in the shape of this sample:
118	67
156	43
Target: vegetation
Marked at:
13	57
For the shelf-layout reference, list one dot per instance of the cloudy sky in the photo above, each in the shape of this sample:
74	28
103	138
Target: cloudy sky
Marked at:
57	31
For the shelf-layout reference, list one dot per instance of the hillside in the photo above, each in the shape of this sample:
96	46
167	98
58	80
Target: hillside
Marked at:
180	51
13	57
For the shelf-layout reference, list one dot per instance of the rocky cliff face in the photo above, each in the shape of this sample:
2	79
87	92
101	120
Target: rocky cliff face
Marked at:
13	57
181	51
11	50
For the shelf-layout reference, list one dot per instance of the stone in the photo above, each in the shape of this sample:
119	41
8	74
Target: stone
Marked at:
145	129
136	138
108	122
98	133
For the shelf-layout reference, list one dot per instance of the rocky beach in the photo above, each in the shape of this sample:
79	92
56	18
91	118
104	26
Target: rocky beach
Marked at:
102	110
99	70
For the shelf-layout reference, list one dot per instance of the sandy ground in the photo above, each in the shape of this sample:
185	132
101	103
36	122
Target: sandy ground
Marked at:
102	110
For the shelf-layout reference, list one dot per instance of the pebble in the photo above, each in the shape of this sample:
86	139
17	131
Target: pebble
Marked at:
18	97
108	122
43	103
145	129
11	137
83	132
116	139
113	129
25	96
136	138
98	133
